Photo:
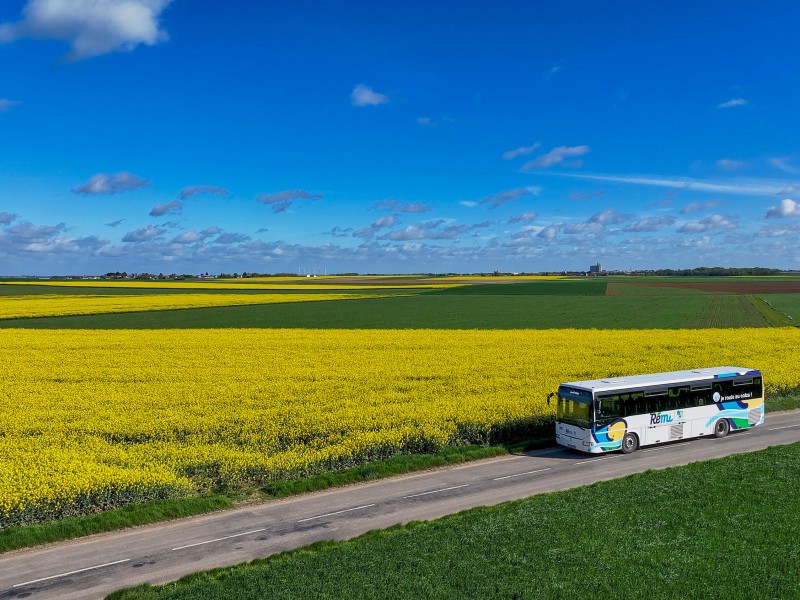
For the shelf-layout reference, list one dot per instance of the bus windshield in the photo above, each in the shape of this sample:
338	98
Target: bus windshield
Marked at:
574	411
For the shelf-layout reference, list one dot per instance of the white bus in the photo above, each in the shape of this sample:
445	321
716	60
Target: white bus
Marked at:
624	413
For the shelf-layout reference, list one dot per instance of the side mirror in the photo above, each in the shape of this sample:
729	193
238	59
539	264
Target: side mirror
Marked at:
550	395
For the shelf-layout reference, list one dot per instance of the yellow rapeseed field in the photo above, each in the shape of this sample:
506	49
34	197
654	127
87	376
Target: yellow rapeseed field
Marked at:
56	305
94	419
225	284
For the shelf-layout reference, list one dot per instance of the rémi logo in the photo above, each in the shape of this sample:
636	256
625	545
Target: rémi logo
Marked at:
658	418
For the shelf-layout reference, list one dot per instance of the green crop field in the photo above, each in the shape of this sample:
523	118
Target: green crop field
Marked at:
788	304
438	311
697	531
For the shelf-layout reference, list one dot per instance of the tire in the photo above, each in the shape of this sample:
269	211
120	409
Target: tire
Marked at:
721	428
629	443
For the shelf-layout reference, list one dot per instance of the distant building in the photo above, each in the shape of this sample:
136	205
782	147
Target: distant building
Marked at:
595	269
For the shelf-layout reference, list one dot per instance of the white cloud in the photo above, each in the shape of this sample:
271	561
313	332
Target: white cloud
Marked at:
610	216
732	103
167	208
495	200
90	27
468	203
6	218
710	223
786	208
105	183
363	95
397	206
427	231
425	121
281	201
144	234
188	237
193	190
555	156
521	151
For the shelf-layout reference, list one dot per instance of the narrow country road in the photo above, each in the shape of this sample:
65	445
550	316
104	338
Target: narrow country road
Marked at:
95	566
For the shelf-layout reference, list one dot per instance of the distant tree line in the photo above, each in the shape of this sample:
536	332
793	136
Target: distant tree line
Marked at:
716	272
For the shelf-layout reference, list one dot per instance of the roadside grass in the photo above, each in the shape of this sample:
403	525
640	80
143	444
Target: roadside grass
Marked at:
14	538
725	528
432	311
540	436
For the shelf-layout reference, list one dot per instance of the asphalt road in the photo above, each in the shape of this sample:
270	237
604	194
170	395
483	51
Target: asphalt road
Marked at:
95	566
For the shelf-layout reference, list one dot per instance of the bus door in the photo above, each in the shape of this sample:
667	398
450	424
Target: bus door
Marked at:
666	422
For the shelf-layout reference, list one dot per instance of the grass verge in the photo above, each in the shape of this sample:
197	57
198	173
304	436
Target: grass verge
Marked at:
725	528
15	538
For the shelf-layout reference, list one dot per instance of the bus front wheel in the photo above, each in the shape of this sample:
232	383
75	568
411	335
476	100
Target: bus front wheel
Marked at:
629	443
721	428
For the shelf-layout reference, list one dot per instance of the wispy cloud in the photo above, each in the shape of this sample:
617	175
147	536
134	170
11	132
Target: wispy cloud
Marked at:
281	201
395	205
783	165
733	103
105	183
786	208
521	151
6	104
167	208
116	223
649	224
90	27
526	217
468	203
363	95
583	196
730	164
555	68
495	200
698	206
741	187
556	156
193	190
231	238
341	231
6	218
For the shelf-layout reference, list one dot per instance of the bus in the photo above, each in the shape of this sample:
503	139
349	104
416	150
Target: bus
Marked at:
625	413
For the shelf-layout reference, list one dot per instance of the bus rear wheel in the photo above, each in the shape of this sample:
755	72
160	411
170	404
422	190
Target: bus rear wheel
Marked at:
629	443
721	428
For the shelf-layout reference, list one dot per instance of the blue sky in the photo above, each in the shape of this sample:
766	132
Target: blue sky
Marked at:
190	136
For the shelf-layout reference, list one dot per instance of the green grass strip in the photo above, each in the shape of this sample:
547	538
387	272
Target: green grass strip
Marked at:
726	528
15	538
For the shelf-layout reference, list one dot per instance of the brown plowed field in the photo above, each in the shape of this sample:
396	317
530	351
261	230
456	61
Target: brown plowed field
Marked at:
729	287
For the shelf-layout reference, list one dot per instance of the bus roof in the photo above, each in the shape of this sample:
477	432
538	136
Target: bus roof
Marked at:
668	378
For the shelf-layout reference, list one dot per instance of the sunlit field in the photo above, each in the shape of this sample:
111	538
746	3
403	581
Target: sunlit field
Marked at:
96	419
